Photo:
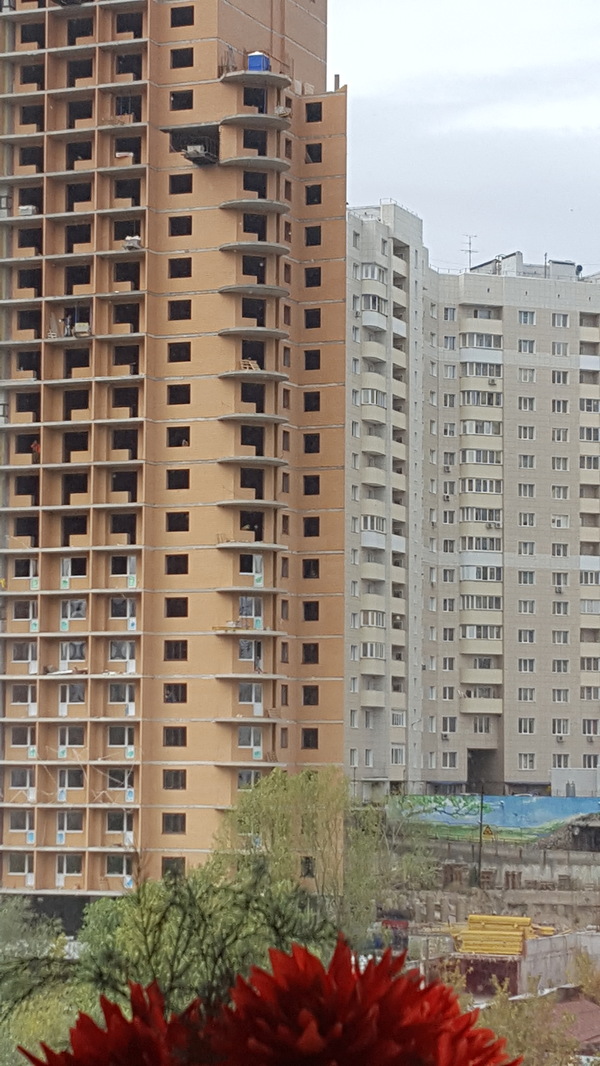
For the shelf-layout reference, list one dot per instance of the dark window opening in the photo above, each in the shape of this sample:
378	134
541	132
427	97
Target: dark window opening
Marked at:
312	236
178	479
75	235
125	481
128	272
176	651
310	739
33	33
178	436
177	564
130	22
32	74
179	394
182	101
28	486
182	16
179	310
30	279
127	397
129	105
124	523
178	521
180	183
175	693
80	193
30	361
30	238
312	277
28	527
75	276
312	484
176	607
32	157
256	98
79	109
77	69
74	358
254	266
124	230
256	224
173	867
314	111
180	268
311	526
73	526
179	352
253	521
127	355
175	736
255	352
127	314
310	568
254	394
312	443
312	401
313	153
182	57
76	28
73	484
76	151
128	189
310	653
125	440
33	115
180	226
312	318
256	309
24	443
312	359
74	442
75	400
256	182
29	401
129	146
129	63
30	320
255	141
254	480
253	437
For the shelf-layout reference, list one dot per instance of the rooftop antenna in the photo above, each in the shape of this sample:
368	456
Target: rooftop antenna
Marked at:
470	250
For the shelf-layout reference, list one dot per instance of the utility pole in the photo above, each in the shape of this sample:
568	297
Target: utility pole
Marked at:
480	857
470	250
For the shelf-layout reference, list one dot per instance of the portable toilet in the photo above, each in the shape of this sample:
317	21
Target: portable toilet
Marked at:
258	61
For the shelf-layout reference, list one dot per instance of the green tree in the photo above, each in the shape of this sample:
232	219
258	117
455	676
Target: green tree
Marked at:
194	934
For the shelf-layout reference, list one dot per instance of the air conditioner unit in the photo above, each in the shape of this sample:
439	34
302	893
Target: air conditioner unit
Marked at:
131	624
32	710
130	666
446	498
491	381
29	880
129	795
33	667
132	242
489	525
446	469
130	752
128	881
30	836
62	751
130	709
32	752
60	881
283	112
590	739
497	525
62	710
34	625
195	151
81	329
64	582
61	795
31	795
64	625
558	590
34	584
63	666
560	738
445	736
128	838
28	209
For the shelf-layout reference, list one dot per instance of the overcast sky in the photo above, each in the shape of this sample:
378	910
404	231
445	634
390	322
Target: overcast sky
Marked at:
482	116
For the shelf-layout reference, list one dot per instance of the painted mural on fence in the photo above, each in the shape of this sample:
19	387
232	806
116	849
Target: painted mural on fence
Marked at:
516	818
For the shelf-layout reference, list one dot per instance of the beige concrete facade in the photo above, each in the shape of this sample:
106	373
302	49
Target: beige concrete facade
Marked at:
173	392
492	391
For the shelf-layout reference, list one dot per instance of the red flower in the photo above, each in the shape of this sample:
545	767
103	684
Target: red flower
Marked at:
303	1014
147	1039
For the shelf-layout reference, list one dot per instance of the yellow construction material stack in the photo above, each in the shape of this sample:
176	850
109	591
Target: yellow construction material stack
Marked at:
491	934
